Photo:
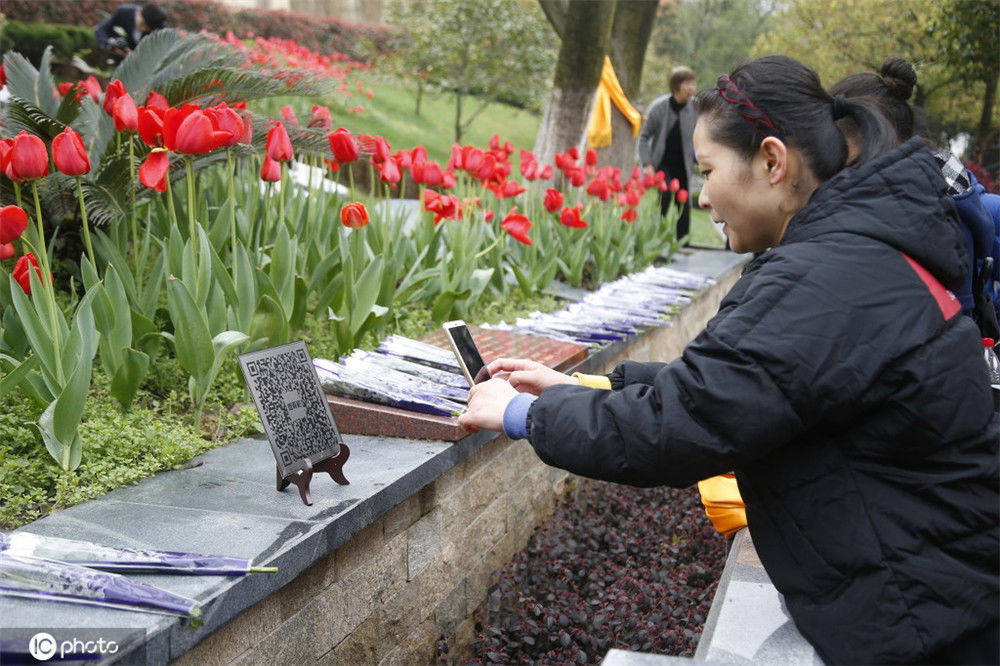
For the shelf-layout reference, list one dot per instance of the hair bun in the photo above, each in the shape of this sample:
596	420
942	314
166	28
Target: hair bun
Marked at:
899	77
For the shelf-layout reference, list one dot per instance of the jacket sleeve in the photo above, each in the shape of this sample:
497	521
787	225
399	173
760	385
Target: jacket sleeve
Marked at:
648	134
103	31
634	372
732	397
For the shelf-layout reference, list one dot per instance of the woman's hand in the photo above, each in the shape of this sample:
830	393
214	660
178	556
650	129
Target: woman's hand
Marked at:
487	402
528	376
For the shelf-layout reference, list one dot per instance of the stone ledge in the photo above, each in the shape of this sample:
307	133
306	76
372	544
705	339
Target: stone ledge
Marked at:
226	505
748	622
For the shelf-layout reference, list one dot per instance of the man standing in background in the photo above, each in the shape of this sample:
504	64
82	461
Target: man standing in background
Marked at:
124	29
665	141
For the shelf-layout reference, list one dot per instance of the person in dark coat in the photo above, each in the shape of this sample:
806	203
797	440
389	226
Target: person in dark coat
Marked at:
124	29
665	141
839	380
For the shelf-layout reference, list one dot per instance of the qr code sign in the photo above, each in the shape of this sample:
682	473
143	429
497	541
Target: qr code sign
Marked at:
291	405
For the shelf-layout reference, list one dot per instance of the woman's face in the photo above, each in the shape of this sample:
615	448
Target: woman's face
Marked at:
745	196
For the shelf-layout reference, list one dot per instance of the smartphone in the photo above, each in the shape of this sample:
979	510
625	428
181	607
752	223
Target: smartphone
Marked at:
466	352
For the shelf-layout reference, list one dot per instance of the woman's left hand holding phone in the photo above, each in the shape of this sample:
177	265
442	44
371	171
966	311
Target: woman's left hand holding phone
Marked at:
487	402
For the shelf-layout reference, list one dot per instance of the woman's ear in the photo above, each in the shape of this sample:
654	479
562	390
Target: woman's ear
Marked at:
774	154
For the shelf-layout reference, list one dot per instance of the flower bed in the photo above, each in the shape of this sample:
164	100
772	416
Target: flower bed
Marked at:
614	567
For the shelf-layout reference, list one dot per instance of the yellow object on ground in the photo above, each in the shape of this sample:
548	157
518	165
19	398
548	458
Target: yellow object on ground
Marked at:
719	494
608	91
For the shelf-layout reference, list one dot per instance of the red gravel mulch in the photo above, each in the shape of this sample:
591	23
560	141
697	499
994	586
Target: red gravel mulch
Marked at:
616	567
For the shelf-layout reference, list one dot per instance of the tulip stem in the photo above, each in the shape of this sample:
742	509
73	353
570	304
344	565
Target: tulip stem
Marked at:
131	195
85	226
191	202
281	194
46	279
170	202
495	242
232	199
17	194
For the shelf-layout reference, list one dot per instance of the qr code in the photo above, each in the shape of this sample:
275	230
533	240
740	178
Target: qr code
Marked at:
291	404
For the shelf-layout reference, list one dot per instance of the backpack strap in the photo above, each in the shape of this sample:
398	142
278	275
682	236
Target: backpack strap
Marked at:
945	300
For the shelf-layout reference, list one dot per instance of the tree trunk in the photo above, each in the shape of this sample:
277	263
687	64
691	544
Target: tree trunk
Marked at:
980	143
458	116
630	33
586	36
420	96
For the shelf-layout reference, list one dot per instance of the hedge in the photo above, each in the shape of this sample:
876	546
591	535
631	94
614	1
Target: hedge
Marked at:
30	39
321	34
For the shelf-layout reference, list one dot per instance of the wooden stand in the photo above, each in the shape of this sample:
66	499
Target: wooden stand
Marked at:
333	466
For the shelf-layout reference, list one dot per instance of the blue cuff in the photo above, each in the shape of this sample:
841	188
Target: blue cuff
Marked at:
515	417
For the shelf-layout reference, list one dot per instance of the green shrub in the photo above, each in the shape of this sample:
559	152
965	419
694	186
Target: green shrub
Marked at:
30	39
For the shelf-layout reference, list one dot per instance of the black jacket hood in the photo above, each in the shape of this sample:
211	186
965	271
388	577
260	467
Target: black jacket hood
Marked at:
899	199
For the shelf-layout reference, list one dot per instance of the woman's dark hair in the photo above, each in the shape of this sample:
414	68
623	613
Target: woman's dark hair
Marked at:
154	16
890	88
779	96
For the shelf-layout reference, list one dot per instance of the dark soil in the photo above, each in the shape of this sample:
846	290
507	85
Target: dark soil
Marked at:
616	567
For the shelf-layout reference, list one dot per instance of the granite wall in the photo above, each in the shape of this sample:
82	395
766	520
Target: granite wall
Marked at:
387	595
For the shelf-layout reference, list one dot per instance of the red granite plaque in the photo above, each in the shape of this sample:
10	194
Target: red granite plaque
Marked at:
364	418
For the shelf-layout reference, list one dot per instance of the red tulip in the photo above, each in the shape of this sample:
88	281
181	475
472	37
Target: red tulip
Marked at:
517	225
377	146
590	157
629	215
125	114
444	206
3	76
190	130
157	101
682	196
600	188
553	200
570	217
247	134
488	215
68	87
69	154
151	125
321	118
115	90
674	185
154	170
389	171
632	197
288	115
279	146
574	153
270	170
405	159
27	158
22	274
224	119
92	87
545	172
576	176
6	251
354	215
13	222
343	146
5	148
508	188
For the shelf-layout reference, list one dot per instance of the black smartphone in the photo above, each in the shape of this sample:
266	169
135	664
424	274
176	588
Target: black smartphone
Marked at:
469	358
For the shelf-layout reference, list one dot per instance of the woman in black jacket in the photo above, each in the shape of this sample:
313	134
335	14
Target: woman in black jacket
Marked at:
838	379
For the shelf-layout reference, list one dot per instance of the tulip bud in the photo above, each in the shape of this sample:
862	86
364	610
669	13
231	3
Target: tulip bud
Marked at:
343	146
354	215
682	196
115	90
13	222
270	171
6	251
674	185
279	146
629	215
69	154
553	200
28	158
288	115
22	272
125	114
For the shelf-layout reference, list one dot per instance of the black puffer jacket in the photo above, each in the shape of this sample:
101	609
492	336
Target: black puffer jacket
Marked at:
853	406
